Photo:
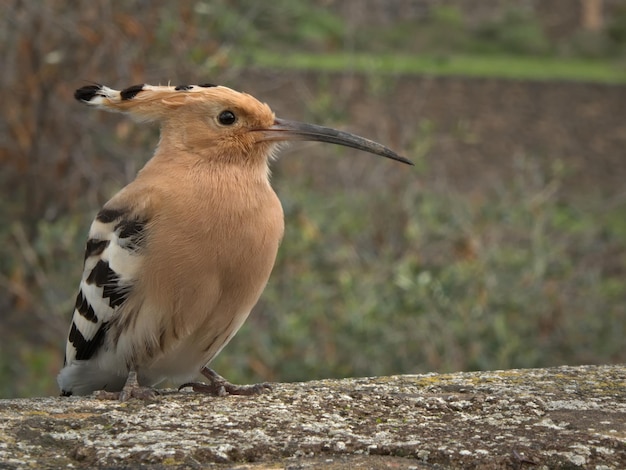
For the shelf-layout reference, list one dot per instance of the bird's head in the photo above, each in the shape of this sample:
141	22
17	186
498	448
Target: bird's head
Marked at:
218	122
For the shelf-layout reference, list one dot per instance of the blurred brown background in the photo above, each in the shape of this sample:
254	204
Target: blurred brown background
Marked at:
504	247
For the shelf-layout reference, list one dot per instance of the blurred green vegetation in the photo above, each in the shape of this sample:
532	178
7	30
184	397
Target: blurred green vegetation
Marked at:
405	275
423	280
509	66
511	45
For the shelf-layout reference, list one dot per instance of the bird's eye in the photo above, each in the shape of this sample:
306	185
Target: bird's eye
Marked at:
227	118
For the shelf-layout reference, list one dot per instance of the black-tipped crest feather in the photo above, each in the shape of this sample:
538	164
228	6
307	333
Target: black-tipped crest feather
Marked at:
87	93
130	92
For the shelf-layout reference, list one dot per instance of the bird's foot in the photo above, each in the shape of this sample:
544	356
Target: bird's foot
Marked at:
131	389
142	393
223	389
218	386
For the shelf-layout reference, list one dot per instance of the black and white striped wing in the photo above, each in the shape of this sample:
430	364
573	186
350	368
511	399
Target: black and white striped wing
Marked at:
112	261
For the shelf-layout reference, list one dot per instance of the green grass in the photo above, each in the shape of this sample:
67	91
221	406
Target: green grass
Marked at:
512	67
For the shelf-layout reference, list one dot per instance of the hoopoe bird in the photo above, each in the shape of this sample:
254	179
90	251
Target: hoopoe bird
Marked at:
176	260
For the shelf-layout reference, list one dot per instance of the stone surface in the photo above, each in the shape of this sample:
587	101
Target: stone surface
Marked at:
566	417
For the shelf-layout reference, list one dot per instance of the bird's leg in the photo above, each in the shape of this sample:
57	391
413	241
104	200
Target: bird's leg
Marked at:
131	389
218	386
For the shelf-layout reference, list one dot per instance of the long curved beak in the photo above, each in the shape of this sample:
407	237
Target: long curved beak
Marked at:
284	130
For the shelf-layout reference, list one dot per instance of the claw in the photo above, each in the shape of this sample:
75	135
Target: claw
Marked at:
218	386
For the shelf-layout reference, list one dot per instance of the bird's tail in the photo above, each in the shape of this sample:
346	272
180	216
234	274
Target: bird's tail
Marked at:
146	102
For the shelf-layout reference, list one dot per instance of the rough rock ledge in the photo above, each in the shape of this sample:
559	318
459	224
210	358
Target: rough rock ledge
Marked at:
564	417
